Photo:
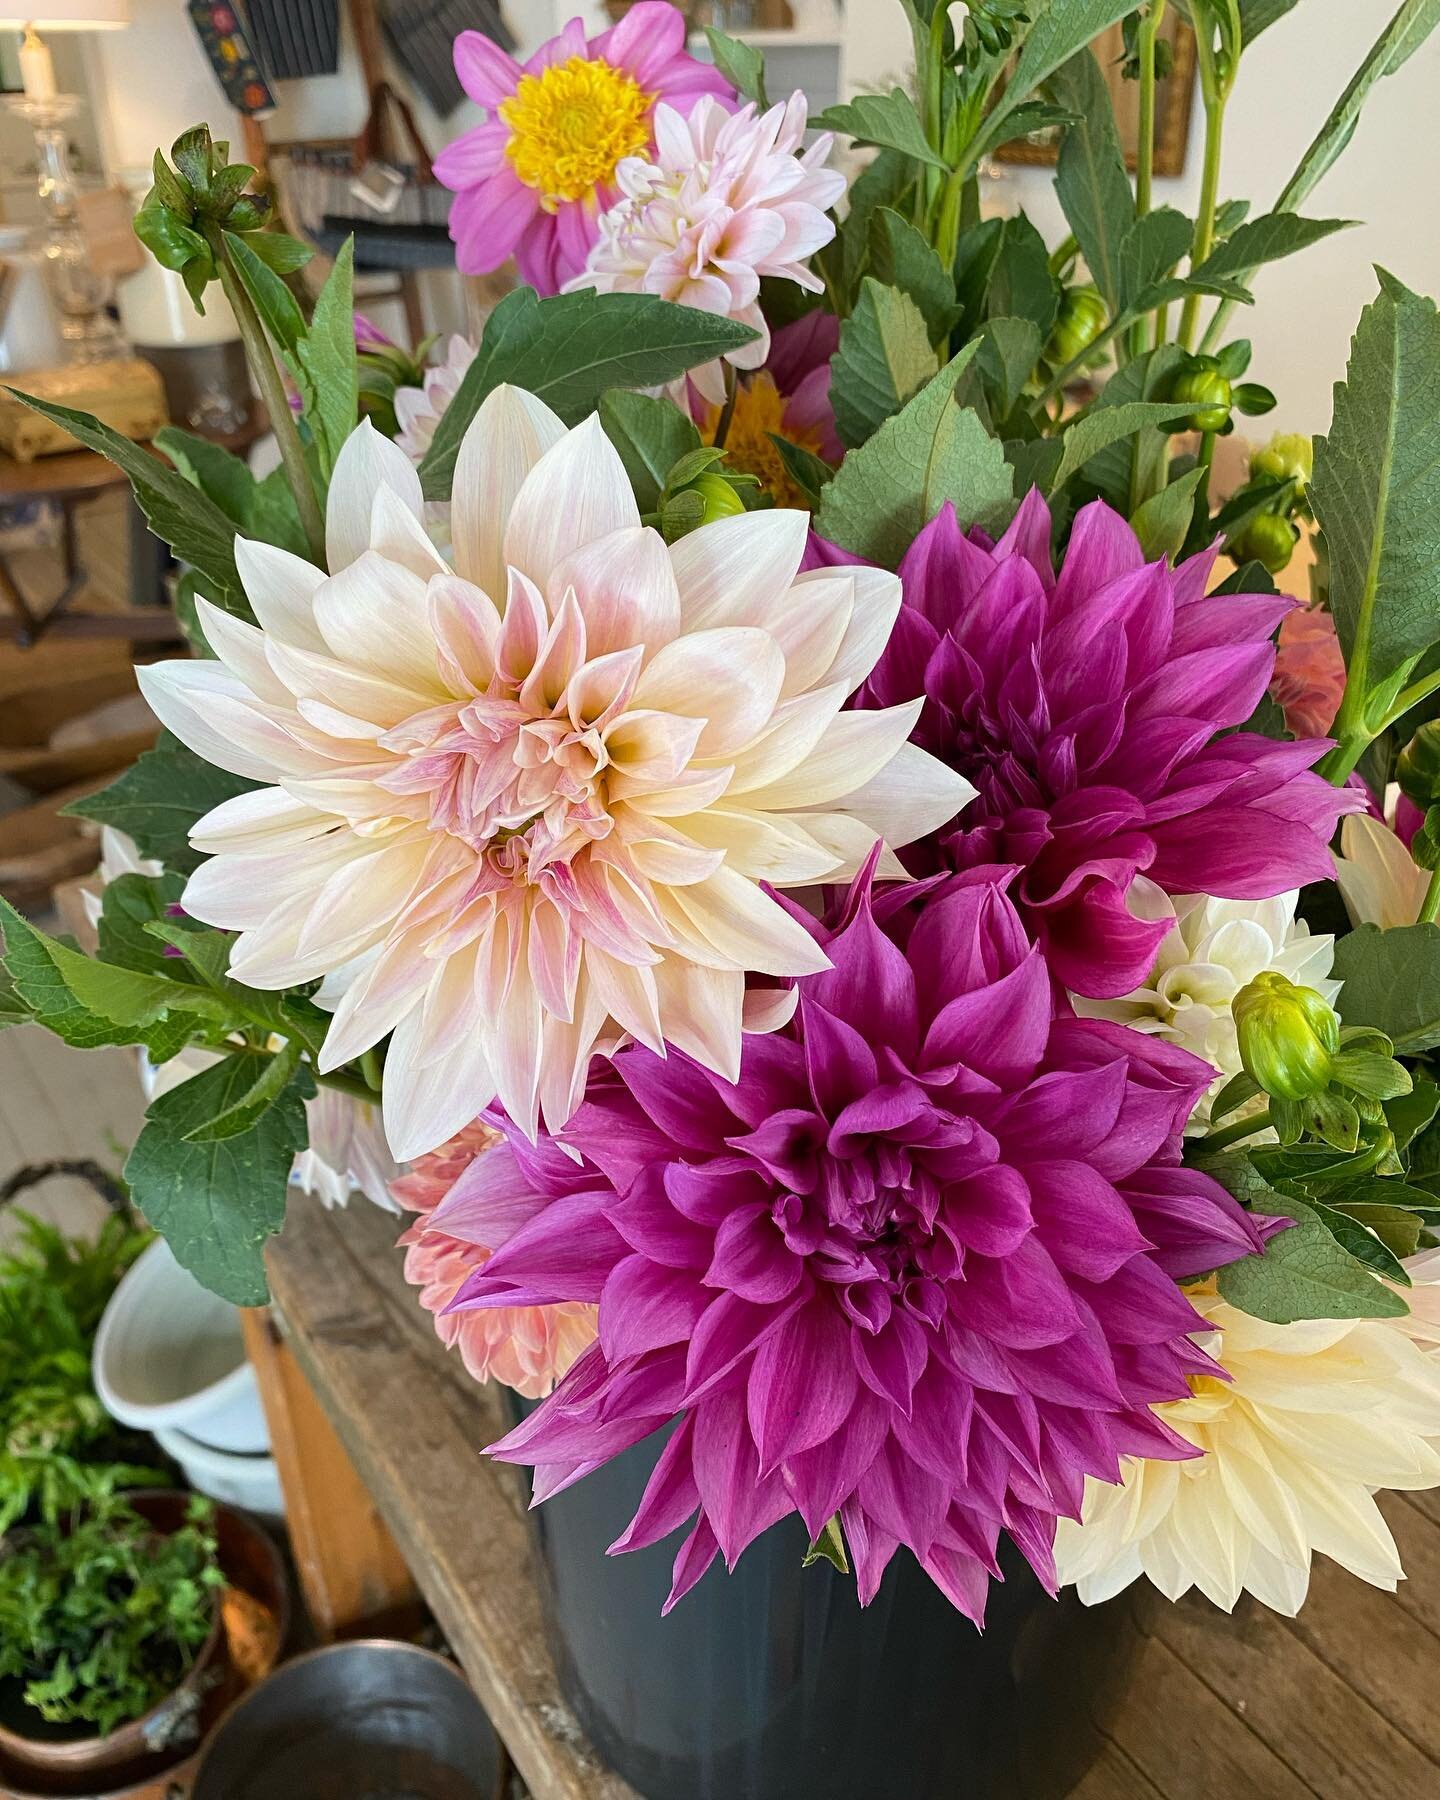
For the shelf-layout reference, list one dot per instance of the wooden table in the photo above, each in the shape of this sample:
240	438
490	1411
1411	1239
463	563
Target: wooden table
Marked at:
1340	1704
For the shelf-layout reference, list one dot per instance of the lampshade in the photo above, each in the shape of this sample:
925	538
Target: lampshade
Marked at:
65	15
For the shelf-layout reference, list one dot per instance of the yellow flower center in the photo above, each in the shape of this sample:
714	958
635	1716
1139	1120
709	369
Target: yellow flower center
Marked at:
759	410
571	124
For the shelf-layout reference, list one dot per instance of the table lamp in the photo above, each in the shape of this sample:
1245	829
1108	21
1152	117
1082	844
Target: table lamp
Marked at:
89	332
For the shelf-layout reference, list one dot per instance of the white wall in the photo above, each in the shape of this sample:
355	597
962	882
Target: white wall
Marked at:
1307	308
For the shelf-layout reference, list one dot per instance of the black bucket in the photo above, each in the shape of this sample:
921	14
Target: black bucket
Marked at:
773	1683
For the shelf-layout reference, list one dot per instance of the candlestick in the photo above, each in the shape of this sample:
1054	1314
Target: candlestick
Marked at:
37	70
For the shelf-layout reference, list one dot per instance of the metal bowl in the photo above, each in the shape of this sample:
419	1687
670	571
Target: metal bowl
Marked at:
369	1720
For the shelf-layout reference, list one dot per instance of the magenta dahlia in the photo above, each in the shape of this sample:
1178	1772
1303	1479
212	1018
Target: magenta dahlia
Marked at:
1088	711
916	1267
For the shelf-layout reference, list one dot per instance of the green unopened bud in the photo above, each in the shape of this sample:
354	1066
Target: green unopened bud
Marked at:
720	498
1418	767
1288	456
1288	1036
1268	540
1081	319
1205	385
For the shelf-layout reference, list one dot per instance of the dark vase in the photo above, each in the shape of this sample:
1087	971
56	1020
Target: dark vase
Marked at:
773	1684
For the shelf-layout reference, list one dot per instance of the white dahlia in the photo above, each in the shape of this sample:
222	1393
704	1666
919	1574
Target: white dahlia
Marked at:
1212	950
1380	882
418	410
522	808
729	197
1315	1417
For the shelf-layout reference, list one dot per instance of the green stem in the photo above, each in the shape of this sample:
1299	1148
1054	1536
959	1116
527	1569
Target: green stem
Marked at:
277	405
947	234
346	1084
1145	152
1236	1130
1215	94
727	412
370	1069
1411	696
1430	906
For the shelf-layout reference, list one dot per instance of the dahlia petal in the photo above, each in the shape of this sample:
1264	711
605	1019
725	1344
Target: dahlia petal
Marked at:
802	1385
367	462
577	492
426	1103
629	589
729	677
692	1559
746	928
241	647
738	571
375	613
281	590
211	711
670	1496
510	433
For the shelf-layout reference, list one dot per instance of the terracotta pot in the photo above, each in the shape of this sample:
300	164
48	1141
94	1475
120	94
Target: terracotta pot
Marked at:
143	1757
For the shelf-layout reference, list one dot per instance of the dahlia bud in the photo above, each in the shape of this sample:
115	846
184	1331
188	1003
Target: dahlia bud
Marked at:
1288	1036
1205	385
1267	540
1289	456
720	498
1081	319
1418	767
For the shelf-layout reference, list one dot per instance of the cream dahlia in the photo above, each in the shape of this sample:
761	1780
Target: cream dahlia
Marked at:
728	198
418	410
1315	1417
1380	882
1212	949
520	810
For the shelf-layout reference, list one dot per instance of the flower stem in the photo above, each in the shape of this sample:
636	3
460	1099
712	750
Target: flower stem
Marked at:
1237	1129
277	405
1430	905
727	412
1216	94
1145	152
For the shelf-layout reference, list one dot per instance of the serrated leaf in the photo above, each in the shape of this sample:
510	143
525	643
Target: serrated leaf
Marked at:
1162	523
568	350
889	121
1181	287
828	1547
1141	379
901	257
217	1202
930	452
326	353
130	903
278	250
1259	15
1090	179
1376	487
809	472
1266	240
1392	981
193	526
1305	1274
1354	1236
1009	351
159	798
1148	252
272	1075
1108	425
1021	284
884	182
1060	31
277	306
741	64
1409	1114
884	357
651	436
218	473
1397	1227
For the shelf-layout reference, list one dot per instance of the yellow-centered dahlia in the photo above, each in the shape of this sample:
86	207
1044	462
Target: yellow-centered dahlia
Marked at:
520	810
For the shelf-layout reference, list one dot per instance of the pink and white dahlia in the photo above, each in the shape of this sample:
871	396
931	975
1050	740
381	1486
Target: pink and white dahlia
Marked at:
916	1267
467	1209
519	809
532	181
418	410
728	198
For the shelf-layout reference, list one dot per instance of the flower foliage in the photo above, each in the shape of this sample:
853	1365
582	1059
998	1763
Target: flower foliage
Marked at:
916	1267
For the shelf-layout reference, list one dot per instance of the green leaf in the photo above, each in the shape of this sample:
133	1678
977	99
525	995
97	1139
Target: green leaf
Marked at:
1397	1227
174	244
169	191
930	452
1259	15
1009	351
1392	981
1108	425
326	353
1162	523
1397	43
191	155
1305	1274
1148	253
1181	287
884	182
902	258
128	905
1409	1114
1064	28
568	350
272	1075
1022	285
217	1202
1147	377
1266	240
651	436
218	473
193	526
1090	180
1353	1235
741	64
278	308
887	120
884	357
278	250
1376	487
809	472
159	798
828	1547
273	517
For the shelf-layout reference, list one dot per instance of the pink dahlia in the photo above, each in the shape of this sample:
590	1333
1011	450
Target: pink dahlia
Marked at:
1094	714
533	180
916	1267
467	1207
728	198
1309	680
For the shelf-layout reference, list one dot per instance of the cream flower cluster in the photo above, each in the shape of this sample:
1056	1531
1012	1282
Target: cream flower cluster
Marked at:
520	810
1315	1417
1212	950
728	198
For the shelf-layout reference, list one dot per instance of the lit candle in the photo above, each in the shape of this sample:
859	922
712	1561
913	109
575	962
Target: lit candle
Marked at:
37	71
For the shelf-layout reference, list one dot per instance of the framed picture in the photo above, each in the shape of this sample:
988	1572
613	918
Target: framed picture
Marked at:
1174	98
10	82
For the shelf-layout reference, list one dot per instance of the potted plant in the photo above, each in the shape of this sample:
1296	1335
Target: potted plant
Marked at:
110	1632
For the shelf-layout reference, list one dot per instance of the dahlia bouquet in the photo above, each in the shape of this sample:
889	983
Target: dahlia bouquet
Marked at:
894	956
